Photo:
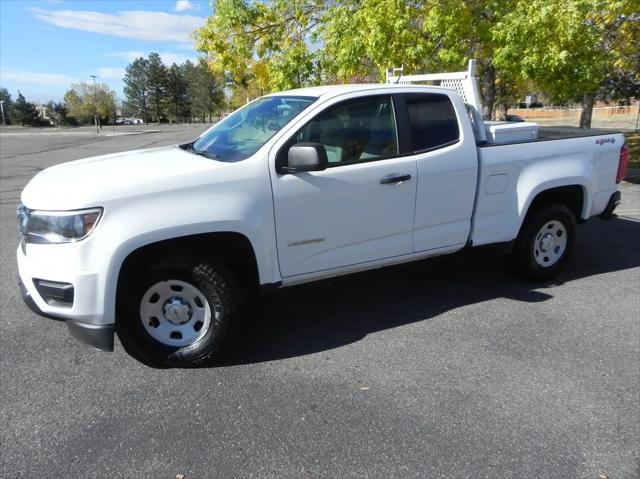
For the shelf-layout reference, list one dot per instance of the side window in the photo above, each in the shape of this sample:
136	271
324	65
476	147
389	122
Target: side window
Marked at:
432	121
355	130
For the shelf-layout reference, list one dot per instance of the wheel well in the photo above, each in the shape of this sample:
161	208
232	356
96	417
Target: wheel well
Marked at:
233	249
570	196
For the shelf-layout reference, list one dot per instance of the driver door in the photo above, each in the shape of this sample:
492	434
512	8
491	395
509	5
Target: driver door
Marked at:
361	208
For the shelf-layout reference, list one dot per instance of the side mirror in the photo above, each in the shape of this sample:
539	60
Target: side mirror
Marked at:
306	157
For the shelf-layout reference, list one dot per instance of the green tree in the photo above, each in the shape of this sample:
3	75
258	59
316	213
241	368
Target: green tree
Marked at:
569	47
7	104
194	92
74	105
621	86
157	83
283	44
269	42
623	79
59	113
136	88
177	93
205	89
360	39
23	112
242	92
84	100
459	30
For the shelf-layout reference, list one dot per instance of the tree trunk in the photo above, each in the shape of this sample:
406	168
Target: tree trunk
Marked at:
587	110
489	91
144	107
503	109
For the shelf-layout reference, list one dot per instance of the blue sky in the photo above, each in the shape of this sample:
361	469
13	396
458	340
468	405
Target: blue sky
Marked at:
46	45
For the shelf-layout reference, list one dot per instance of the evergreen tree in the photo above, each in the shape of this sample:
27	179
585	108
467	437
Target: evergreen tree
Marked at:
60	114
157	83
180	92
7	103
177	93
136	88
23	112
205	89
193	89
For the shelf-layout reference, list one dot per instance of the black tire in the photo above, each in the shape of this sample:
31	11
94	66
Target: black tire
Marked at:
528	257
216	284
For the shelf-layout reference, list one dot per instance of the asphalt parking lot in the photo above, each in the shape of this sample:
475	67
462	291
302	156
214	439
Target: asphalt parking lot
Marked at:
446	368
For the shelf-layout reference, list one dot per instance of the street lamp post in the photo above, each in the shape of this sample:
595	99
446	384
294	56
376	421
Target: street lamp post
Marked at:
4	122
95	107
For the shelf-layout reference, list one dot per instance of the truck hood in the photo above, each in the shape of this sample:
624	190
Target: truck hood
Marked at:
97	180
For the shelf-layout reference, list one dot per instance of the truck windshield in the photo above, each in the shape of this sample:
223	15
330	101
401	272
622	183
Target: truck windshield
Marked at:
242	133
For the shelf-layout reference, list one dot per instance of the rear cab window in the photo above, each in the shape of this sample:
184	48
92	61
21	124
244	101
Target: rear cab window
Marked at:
433	122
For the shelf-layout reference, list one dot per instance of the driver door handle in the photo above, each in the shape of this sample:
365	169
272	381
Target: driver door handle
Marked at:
391	179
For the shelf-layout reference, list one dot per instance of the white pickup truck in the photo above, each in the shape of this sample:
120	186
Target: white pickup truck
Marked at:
164	246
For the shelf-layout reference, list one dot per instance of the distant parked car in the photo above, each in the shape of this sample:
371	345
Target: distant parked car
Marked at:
514	118
129	121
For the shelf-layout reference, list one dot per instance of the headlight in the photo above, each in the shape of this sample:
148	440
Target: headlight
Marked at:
56	226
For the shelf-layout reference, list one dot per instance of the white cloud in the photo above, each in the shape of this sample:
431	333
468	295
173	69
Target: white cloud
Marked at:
183	46
112	73
170	58
137	24
167	57
184	5
129	56
33	78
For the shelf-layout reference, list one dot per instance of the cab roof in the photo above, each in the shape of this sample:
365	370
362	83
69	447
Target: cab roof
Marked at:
335	90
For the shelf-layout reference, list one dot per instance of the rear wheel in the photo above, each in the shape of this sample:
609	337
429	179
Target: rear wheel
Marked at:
545	243
179	316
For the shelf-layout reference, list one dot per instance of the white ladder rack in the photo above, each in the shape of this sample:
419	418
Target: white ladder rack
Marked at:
465	83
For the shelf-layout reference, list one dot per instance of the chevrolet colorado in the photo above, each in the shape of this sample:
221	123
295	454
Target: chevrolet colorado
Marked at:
165	246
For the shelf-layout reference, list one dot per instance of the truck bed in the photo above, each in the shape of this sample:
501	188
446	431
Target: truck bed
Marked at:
511	175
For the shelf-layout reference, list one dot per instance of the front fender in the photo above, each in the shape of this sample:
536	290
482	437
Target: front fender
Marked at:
126	229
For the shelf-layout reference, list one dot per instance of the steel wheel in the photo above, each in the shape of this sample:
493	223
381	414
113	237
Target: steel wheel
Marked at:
176	313
550	243
545	242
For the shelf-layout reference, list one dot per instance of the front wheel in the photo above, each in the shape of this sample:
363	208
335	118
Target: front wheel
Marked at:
545	243
179	316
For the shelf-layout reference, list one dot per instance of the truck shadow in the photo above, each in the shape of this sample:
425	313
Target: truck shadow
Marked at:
322	316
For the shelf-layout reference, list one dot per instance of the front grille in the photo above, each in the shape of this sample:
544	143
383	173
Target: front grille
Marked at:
55	293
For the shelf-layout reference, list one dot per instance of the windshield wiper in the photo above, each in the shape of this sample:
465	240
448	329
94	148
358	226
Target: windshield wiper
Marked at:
205	153
189	147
